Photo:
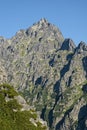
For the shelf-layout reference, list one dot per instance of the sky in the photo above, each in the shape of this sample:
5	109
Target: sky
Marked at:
70	16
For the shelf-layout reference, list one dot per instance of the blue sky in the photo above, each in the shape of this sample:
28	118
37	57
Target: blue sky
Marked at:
70	16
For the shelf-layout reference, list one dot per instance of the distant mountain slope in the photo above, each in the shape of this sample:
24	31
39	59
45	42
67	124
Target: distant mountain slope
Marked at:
50	72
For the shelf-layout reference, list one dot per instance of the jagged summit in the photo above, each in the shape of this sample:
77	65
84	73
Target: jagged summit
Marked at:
82	46
43	30
43	21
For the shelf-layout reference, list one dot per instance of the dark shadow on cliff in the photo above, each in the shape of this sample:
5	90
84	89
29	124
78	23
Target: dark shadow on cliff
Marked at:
57	86
43	113
84	88
82	118
50	118
84	61
60	123
69	56
65	69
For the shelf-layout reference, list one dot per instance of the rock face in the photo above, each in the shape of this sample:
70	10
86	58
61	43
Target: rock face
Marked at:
68	45
50	72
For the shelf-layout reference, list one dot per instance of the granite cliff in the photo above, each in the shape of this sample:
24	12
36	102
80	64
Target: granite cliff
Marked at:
50	72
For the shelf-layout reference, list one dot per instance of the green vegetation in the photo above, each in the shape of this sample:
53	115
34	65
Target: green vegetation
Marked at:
8	90
11	116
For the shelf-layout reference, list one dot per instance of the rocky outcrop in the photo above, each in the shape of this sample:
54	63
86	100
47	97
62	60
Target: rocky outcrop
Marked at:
3	74
81	47
68	45
49	71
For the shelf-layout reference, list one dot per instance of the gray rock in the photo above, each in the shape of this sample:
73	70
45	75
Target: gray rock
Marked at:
68	45
48	70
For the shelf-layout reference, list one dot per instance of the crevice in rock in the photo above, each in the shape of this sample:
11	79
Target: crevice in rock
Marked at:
51	62
60	123
69	81
57	86
82	118
38	81
50	118
43	113
57	99
65	69
69	56
50	115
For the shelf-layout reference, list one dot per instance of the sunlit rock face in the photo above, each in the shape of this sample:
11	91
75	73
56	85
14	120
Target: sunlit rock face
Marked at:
51	73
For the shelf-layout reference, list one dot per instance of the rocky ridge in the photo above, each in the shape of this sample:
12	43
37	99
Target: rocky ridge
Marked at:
50	72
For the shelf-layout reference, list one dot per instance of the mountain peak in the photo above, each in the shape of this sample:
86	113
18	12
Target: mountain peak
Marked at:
43	20
45	30
82	47
51	74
